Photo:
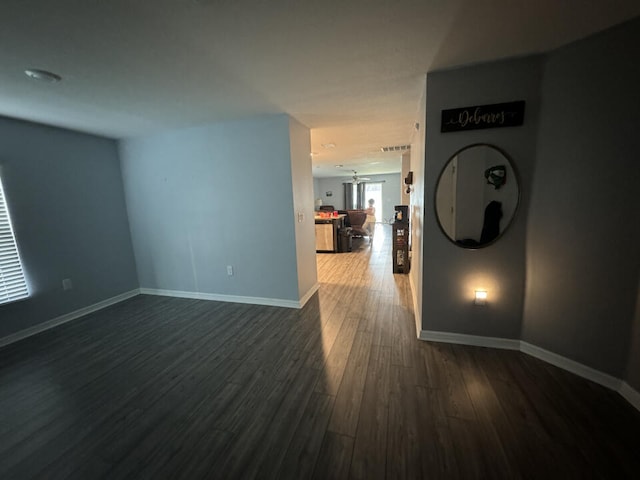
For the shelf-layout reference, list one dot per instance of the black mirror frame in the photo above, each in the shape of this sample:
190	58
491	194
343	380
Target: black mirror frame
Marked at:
515	212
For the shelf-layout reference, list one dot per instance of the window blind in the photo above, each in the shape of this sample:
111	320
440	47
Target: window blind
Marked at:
13	285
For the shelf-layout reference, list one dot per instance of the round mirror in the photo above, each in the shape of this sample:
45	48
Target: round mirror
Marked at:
476	196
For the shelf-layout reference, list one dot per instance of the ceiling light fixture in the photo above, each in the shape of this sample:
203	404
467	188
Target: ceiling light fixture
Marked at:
42	75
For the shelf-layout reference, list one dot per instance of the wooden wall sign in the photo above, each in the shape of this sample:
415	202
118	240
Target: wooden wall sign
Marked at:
483	116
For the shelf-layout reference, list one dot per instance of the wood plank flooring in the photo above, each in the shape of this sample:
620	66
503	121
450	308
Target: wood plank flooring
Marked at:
174	388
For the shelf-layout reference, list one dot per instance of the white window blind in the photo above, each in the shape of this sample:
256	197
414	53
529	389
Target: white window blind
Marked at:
13	285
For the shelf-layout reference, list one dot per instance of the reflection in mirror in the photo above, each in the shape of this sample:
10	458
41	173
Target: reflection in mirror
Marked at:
476	196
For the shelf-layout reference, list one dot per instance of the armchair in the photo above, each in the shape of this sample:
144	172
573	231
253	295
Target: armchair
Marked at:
358	221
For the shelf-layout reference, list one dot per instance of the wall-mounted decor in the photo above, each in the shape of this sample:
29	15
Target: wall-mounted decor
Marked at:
483	116
496	176
329	194
477	196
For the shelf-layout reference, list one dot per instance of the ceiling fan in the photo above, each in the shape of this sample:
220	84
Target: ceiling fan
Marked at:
357	179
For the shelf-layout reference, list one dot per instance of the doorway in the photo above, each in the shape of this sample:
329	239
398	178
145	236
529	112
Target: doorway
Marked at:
374	191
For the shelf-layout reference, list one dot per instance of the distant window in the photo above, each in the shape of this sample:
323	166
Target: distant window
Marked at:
13	285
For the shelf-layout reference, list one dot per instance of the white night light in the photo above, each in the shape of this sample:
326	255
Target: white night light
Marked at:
481	297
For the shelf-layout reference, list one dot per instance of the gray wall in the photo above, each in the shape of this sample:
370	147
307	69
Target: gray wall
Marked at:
405	198
450	273
202	198
391	191
584	225
330	184
632	374
576	232
316	189
66	198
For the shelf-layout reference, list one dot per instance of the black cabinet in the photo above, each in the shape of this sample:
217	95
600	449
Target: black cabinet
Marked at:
401	247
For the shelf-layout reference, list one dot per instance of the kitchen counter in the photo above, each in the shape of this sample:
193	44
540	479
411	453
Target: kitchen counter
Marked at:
327	232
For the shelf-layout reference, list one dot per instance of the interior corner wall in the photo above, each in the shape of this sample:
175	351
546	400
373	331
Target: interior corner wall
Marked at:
66	199
583	258
450	273
303	207
416	206
204	198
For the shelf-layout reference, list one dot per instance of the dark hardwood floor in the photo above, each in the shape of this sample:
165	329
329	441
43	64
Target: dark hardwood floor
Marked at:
174	388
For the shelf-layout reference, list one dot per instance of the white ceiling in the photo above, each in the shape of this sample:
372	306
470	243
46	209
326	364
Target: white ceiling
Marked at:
350	70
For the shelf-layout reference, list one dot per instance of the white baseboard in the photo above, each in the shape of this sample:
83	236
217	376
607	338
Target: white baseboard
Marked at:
67	317
271	302
630	395
307	296
601	378
462	339
572	366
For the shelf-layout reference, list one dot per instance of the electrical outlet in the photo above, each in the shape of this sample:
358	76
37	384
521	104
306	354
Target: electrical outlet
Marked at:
67	284
229	270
